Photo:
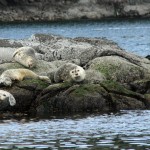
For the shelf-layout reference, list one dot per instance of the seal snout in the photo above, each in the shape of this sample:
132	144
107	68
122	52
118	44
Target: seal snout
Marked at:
30	63
77	72
3	96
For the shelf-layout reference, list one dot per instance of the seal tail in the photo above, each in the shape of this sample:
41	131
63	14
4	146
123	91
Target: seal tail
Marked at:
45	78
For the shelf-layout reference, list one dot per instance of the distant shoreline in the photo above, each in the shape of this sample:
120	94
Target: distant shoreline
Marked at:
68	10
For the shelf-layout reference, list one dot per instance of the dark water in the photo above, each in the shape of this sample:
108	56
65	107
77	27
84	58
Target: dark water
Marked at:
124	130
132	34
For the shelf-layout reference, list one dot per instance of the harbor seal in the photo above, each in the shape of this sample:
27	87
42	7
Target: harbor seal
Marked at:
69	72
4	96
25	56
8	76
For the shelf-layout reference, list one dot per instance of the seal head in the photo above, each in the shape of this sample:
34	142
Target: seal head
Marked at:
25	56
6	81
77	74
4	96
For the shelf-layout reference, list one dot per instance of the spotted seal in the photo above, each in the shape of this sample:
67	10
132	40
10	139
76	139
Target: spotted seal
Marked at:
4	95
69	72
8	76
25	56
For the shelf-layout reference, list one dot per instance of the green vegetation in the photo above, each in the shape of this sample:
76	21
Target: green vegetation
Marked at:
87	89
107	70
113	86
39	83
13	66
119	71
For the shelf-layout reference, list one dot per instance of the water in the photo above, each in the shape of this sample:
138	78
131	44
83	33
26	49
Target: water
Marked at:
124	130
132	34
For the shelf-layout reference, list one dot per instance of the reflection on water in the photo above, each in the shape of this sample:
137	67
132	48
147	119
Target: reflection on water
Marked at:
124	130
130	34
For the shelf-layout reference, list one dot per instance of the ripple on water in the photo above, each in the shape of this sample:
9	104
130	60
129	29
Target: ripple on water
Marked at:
131	34
118	131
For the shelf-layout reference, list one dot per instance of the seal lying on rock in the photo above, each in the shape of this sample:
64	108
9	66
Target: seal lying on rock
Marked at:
69	72
8	76
4	95
25	56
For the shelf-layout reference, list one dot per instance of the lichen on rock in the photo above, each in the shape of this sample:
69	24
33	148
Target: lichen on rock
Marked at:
118	69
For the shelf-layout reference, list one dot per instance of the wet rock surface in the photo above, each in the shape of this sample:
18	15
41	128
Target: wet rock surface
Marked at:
124	83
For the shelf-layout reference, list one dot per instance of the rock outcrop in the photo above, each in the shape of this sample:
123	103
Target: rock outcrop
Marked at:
124	83
50	10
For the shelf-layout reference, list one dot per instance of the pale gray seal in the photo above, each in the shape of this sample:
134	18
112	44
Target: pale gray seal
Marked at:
25	56
4	95
69	72
8	76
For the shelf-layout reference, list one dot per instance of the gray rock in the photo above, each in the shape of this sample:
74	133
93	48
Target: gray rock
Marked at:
31	10
53	48
24	92
119	69
93	76
64	98
116	79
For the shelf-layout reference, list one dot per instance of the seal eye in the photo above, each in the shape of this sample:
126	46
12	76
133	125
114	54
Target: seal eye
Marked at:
4	95
78	70
72	71
20	54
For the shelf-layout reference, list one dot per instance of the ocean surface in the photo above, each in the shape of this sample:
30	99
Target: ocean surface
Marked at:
127	129
120	131
132	34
